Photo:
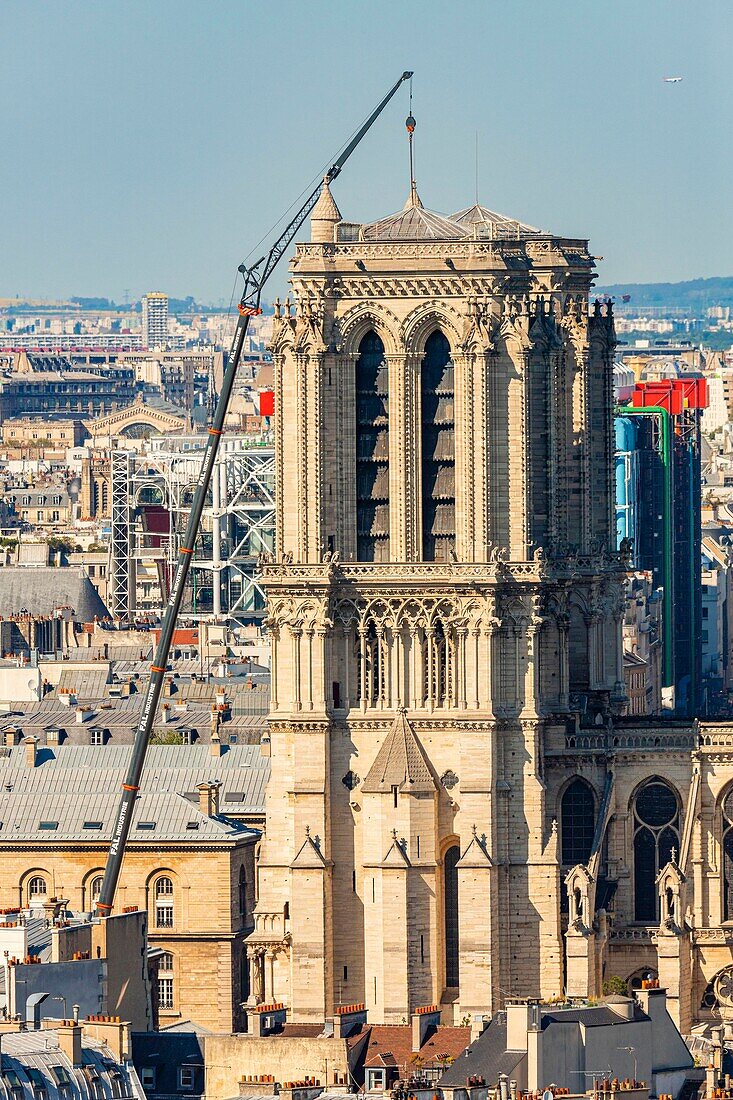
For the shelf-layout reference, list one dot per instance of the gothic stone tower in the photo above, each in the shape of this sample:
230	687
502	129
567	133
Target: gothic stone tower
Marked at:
444	597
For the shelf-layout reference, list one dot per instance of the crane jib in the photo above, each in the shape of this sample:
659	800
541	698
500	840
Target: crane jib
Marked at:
254	280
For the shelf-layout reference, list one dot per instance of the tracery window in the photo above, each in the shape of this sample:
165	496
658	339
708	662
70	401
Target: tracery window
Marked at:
372	451
728	856
656	834
95	888
438	450
450	904
577	823
370	669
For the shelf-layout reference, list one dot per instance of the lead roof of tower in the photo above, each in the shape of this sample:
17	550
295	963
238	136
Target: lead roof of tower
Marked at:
401	762
504	226
414	223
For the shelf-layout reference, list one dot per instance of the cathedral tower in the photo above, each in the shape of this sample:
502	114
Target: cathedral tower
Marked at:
444	600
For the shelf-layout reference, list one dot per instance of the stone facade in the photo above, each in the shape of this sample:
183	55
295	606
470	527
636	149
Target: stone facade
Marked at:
458	638
455	813
198	918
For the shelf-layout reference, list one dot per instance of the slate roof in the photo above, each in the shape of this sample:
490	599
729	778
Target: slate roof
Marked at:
401	762
487	1057
40	590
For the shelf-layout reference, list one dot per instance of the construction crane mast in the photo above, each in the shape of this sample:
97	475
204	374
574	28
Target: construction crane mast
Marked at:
255	278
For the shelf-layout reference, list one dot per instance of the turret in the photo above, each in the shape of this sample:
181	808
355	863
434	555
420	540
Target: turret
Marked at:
326	215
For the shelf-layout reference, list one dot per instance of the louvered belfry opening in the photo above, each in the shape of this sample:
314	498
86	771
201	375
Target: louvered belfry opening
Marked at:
372	451
438	450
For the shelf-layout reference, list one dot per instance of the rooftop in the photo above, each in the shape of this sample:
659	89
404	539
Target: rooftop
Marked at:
72	793
41	590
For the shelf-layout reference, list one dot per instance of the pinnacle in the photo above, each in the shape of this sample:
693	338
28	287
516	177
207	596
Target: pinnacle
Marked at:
326	209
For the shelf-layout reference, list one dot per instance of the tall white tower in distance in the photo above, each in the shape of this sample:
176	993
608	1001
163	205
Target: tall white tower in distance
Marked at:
155	319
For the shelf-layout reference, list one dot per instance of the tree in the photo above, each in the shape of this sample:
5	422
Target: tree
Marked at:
63	543
614	984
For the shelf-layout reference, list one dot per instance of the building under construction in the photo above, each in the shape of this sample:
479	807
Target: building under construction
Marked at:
151	501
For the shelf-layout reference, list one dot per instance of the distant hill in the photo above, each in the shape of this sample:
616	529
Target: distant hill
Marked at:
692	294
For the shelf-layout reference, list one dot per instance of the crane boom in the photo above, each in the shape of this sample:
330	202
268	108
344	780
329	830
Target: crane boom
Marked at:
255	278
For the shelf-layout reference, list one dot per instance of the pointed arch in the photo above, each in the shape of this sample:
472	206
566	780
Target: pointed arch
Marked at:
364	318
437	394
450	914
577	822
372	449
656	828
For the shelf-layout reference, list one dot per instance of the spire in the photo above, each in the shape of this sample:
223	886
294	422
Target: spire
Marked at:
325	215
410	124
413	200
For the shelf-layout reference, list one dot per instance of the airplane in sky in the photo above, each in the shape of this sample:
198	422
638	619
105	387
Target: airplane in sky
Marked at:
672	79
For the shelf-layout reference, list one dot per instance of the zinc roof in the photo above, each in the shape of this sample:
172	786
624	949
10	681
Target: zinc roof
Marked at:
77	783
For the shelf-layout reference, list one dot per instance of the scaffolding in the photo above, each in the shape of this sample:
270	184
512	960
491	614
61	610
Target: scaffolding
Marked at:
151	498
120	586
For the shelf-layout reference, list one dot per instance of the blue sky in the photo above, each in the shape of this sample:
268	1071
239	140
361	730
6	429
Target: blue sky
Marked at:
149	144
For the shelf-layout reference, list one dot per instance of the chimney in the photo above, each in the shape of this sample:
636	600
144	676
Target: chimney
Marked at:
31	747
622	1006
69	1035
653	1001
112	1031
216	748
209	797
79	715
535	1061
11	738
517	1025
424	1020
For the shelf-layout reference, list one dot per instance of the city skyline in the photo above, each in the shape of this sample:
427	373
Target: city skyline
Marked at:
174	176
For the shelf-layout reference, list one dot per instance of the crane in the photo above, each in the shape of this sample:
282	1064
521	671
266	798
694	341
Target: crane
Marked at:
255	277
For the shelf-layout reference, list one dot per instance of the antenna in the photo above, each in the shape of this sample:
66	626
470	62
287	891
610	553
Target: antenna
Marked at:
476	155
411	124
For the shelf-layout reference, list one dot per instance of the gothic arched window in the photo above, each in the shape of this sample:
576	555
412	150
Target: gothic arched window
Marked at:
450	902
372	451
577	823
656	833
728	856
438	451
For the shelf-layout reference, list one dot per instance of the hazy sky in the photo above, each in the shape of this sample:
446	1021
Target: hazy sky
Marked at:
149	144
